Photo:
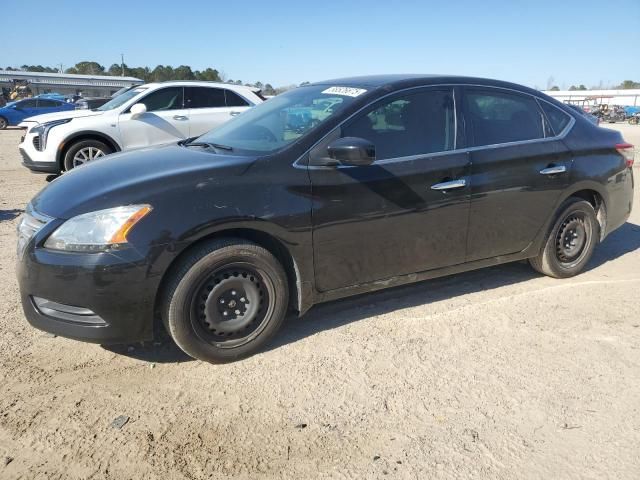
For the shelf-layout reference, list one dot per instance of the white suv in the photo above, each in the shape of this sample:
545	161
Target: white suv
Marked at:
151	114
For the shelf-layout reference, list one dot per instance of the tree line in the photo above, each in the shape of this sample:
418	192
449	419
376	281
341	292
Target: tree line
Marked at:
160	73
625	85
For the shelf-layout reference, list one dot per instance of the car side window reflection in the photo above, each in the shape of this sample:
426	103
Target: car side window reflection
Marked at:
495	117
170	98
413	124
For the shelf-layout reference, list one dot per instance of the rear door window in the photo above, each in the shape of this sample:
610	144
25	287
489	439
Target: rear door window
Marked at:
413	124
494	117
205	97
235	100
557	118
44	103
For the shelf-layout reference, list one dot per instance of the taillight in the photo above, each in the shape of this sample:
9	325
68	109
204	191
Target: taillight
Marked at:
626	150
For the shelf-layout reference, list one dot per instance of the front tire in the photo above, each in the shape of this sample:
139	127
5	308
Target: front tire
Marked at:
84	151
3	123
571	241
225	300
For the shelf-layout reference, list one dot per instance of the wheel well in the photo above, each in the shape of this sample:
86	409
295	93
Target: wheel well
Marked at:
79	138
263	239
596	201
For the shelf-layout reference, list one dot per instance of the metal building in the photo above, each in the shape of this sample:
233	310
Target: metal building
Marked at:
67	84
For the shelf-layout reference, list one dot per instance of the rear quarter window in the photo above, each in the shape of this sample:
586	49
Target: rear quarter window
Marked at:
235	100
557	118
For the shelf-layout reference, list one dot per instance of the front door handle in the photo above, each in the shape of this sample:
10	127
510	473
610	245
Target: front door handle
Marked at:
553	170
461	183
180	117
233	114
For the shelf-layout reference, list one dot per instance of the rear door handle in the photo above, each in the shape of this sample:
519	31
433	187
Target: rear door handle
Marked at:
461	183
233	114
553	170
180	117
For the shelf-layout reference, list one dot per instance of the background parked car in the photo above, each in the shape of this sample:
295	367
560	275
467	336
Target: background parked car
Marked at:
145	115
90	103
15	112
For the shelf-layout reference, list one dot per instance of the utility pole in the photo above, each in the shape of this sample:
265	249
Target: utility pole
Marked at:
122	63
61	69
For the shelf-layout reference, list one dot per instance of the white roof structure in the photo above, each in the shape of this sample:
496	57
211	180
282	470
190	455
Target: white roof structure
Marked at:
66	79
629	96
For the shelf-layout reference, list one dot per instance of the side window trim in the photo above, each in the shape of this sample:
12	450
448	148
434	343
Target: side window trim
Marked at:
304	160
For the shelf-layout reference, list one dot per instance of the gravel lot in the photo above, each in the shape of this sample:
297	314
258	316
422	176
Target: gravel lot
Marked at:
499	373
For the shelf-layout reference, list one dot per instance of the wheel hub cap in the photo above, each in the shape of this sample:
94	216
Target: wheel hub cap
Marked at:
231	304
86	154
571	239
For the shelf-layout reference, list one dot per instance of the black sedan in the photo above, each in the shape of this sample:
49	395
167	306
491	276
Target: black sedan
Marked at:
404	178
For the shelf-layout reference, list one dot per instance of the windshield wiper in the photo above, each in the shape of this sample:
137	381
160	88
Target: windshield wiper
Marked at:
217	146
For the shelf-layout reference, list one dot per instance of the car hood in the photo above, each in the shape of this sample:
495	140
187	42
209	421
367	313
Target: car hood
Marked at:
135	177
47	117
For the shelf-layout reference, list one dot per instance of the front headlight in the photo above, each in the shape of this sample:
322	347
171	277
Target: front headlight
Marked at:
30	224
43	130
97	231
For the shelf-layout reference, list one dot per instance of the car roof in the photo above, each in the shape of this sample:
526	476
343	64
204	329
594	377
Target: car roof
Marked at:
200	83
397	81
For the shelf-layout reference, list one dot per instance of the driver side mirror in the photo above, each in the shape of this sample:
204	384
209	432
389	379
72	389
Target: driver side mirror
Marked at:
352	151
138	109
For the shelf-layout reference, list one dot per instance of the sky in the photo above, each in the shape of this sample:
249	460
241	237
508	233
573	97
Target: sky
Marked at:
288	42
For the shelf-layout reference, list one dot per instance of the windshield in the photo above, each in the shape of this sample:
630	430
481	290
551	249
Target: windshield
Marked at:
281	120
121	99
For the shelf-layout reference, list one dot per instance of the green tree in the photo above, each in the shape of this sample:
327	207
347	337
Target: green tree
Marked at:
87	68
628	84
183	72
162	73
268	90
555	88
208	75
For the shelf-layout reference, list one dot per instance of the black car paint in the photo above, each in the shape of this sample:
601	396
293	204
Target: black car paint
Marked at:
338	230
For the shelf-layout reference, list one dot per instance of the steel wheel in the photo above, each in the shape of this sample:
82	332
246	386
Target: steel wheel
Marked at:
230	305
225	299
572	238
86	154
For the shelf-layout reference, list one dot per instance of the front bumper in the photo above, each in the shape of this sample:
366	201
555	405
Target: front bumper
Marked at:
102	297
38	167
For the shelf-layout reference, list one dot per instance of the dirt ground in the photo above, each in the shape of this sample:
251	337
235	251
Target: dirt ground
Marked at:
499	373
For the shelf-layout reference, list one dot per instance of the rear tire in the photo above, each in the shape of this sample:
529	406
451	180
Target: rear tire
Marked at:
3	123
84	151
225	300
571	241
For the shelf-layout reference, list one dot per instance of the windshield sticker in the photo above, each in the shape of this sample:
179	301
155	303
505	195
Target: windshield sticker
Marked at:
347	91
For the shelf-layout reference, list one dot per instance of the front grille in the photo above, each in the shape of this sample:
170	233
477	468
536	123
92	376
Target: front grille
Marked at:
37	143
